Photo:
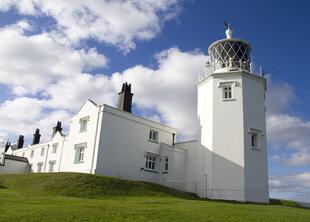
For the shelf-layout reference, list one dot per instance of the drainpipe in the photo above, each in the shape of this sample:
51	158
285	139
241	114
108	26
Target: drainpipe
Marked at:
62	148
173	139
94	149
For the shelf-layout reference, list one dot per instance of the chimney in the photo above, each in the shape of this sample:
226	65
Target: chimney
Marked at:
20	142
7	146
36	137
125	98
57	128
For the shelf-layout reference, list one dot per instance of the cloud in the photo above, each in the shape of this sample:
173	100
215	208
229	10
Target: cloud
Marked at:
29	64
118	23
170	89
294	186
287	133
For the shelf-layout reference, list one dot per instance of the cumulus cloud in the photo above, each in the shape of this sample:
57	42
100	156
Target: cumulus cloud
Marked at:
295	186
29	64
170	89
287	133
118	23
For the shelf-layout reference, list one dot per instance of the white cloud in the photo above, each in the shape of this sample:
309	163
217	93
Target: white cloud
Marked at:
117	23
294	186
287	133
170	89
29	64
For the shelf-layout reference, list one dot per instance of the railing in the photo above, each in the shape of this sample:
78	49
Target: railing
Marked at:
231	65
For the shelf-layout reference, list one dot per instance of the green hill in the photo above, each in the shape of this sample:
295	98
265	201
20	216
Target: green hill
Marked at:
84	197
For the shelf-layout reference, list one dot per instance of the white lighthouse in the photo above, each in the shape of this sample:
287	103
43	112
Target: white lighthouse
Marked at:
231	113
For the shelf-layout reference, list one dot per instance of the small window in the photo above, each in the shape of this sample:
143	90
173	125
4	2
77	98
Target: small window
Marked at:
150	162
254	138
153	135
227	92
52	166
83	124
166	163
23	154
79	152
42	151
32	153
40	167
54	150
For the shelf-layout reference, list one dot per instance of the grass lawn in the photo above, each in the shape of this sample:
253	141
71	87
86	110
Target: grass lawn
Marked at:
83	197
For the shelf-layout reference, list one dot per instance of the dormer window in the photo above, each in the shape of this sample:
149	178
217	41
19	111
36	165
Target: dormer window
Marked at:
153	136
83	123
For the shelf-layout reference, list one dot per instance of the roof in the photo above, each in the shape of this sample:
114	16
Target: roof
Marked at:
16	158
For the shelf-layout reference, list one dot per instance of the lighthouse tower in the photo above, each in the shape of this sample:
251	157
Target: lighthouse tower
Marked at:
231	113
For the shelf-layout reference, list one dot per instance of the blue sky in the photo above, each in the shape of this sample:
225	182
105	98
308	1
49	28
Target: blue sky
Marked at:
56	55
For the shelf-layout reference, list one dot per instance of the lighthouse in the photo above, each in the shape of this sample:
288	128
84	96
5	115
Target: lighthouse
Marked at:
232	124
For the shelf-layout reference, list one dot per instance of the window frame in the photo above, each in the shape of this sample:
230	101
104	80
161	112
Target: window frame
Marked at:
166	164
42	151
255	134
54	147
85	121
227	92
51	166
31	153
153	135
151	162
40	166
78	148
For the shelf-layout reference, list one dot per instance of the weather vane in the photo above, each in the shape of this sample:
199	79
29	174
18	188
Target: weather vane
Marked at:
229	30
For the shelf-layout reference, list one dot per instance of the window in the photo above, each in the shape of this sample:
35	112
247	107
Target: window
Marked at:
52	166
153	135
166	163
42	151
254	141
150	162
79	152
227	92
32	153
23	154
54	146
40	166
83	124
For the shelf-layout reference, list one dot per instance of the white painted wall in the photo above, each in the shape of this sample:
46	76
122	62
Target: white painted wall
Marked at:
124	142
13	166
256	164
224	137
92	111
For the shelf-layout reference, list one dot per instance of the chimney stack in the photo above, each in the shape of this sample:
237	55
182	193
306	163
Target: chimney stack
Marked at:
57	128
7	146
125	98
20	142
36	137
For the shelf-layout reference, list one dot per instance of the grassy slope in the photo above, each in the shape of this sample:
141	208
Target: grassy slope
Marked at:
83	197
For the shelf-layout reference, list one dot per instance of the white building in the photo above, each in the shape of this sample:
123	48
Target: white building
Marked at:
227	161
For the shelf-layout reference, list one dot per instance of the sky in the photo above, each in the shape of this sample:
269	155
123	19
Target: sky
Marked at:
56	54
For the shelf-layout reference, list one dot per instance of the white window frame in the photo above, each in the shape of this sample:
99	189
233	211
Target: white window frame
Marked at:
54	147
83	124
51	166
42	151
166	164
151	162
153	135
255	134
31	153
80	152
40	167
227	94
